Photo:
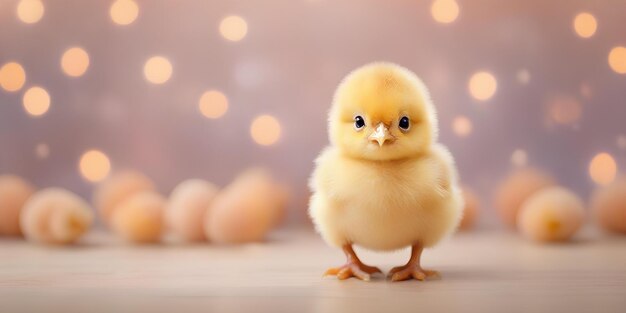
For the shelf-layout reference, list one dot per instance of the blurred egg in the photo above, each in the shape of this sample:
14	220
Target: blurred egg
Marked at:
139	219
280	193
246	210
551	214
515	189
608	205
187	206
55	216
14	192
117	188
471	209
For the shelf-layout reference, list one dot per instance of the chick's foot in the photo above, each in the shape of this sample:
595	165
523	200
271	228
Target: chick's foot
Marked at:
405	272
353	267
412	269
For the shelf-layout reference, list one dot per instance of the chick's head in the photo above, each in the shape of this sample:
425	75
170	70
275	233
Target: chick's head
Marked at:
382	111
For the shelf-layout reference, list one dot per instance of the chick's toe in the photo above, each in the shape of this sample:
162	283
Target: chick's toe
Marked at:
353	269
412	271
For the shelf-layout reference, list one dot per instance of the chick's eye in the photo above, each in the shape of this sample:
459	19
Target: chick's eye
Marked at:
359	122
404	123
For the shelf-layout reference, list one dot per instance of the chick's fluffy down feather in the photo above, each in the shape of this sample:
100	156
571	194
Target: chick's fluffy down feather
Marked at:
388	205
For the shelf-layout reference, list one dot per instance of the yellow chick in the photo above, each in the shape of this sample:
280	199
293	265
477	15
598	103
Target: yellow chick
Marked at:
384	183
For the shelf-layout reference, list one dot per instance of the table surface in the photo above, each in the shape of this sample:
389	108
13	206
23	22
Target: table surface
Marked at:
483	271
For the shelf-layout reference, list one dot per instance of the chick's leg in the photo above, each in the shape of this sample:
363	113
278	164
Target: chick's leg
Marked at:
353	267
412	269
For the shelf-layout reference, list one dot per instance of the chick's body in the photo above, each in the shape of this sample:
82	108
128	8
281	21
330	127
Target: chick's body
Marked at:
384	183
385	205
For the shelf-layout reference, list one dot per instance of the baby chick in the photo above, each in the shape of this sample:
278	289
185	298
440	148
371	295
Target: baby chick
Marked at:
384	183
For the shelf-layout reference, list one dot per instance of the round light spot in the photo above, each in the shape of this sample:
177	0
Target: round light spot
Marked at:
157	70
564	110
519	158
42	151
523	76
124	12
265	130
75	62
30	11
586	90
12	76
444	11
482	86
233	28
585	25
94	165
213	104
603	169
36	101
462	126
617	60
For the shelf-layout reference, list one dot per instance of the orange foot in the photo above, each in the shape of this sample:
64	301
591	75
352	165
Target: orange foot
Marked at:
409	271
353	269
412	269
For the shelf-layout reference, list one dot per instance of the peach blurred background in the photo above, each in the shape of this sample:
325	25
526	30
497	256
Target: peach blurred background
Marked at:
207	88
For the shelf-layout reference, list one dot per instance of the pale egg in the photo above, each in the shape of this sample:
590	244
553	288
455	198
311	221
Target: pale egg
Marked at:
608	205
246	210
515	189
139	218
116	189
187	205
55	216
551	214
14	192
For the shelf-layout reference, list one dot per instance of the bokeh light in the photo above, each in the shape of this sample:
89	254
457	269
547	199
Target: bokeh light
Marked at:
617	59
462	126
124	12
519	158
585	25
233	28
564	110
157	70
621	142
482	86
586	91
36	101
94	165
42	151
213	104
603	169
30	11
75	62
444	11
523	76
265	130
12	76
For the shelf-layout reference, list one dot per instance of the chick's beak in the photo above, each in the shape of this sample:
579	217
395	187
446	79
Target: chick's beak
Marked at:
381	134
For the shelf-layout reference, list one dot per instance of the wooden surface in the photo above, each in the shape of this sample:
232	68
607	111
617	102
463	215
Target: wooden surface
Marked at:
489	271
